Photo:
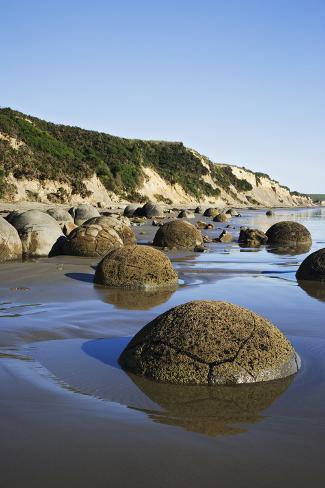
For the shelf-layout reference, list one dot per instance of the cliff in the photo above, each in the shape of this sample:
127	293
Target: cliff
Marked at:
46	162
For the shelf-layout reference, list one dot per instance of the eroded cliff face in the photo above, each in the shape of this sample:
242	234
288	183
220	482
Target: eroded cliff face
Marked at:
160	171
265	192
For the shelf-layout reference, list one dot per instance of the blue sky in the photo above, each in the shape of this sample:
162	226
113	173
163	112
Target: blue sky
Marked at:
241	81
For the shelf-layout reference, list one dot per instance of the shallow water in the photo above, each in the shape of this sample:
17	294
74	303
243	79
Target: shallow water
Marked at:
69	416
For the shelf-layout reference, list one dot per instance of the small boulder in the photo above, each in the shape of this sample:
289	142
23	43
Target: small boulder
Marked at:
211	212
225	237
199	210
313	267
200	225
129	210
232	212
83	212
252	237
178	234
269	213
149	210
222	217
60	214
184	214
208	343
288	233
10	243
139	267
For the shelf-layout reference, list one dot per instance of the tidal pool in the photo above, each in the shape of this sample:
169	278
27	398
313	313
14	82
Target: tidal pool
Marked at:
69	416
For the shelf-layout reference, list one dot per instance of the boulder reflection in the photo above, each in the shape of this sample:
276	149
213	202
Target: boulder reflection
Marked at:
134	299
314	289
211	410
290	250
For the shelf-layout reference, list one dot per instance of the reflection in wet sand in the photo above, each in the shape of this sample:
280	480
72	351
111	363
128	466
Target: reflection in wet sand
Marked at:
211	410
314	289
92	368
290	250
134	299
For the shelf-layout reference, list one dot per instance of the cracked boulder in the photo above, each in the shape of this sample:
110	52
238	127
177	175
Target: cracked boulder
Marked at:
288	233
97	237
178	234
313	267
207	343
139	267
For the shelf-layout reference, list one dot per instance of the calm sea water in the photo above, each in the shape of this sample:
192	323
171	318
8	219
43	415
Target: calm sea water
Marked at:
70	417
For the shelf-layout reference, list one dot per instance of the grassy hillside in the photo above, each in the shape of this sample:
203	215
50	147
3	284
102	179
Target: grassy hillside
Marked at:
317	197
36	149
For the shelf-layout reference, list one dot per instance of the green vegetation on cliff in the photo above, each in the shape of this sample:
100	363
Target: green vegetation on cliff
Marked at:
36	149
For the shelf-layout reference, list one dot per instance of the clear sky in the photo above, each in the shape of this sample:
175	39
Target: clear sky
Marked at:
242	81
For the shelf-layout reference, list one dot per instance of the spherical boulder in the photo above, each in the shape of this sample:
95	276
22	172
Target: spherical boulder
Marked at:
207	342
12	215
93	239
313	267
120	225
232	212
178	234
211	212
60	214
41	239
83	212
34	217
184	214
139	267
288	233
10	243
149	210
129	210
221	217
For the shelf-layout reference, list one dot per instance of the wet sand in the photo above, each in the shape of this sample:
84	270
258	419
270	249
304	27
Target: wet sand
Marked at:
69	416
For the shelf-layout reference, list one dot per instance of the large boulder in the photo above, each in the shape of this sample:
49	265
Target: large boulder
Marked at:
41	239
313	267
211	212
83	212
34	217
40	233
96	237
207	342
288	234
149	210
139	267
120	225
252	237
10	243
178	234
